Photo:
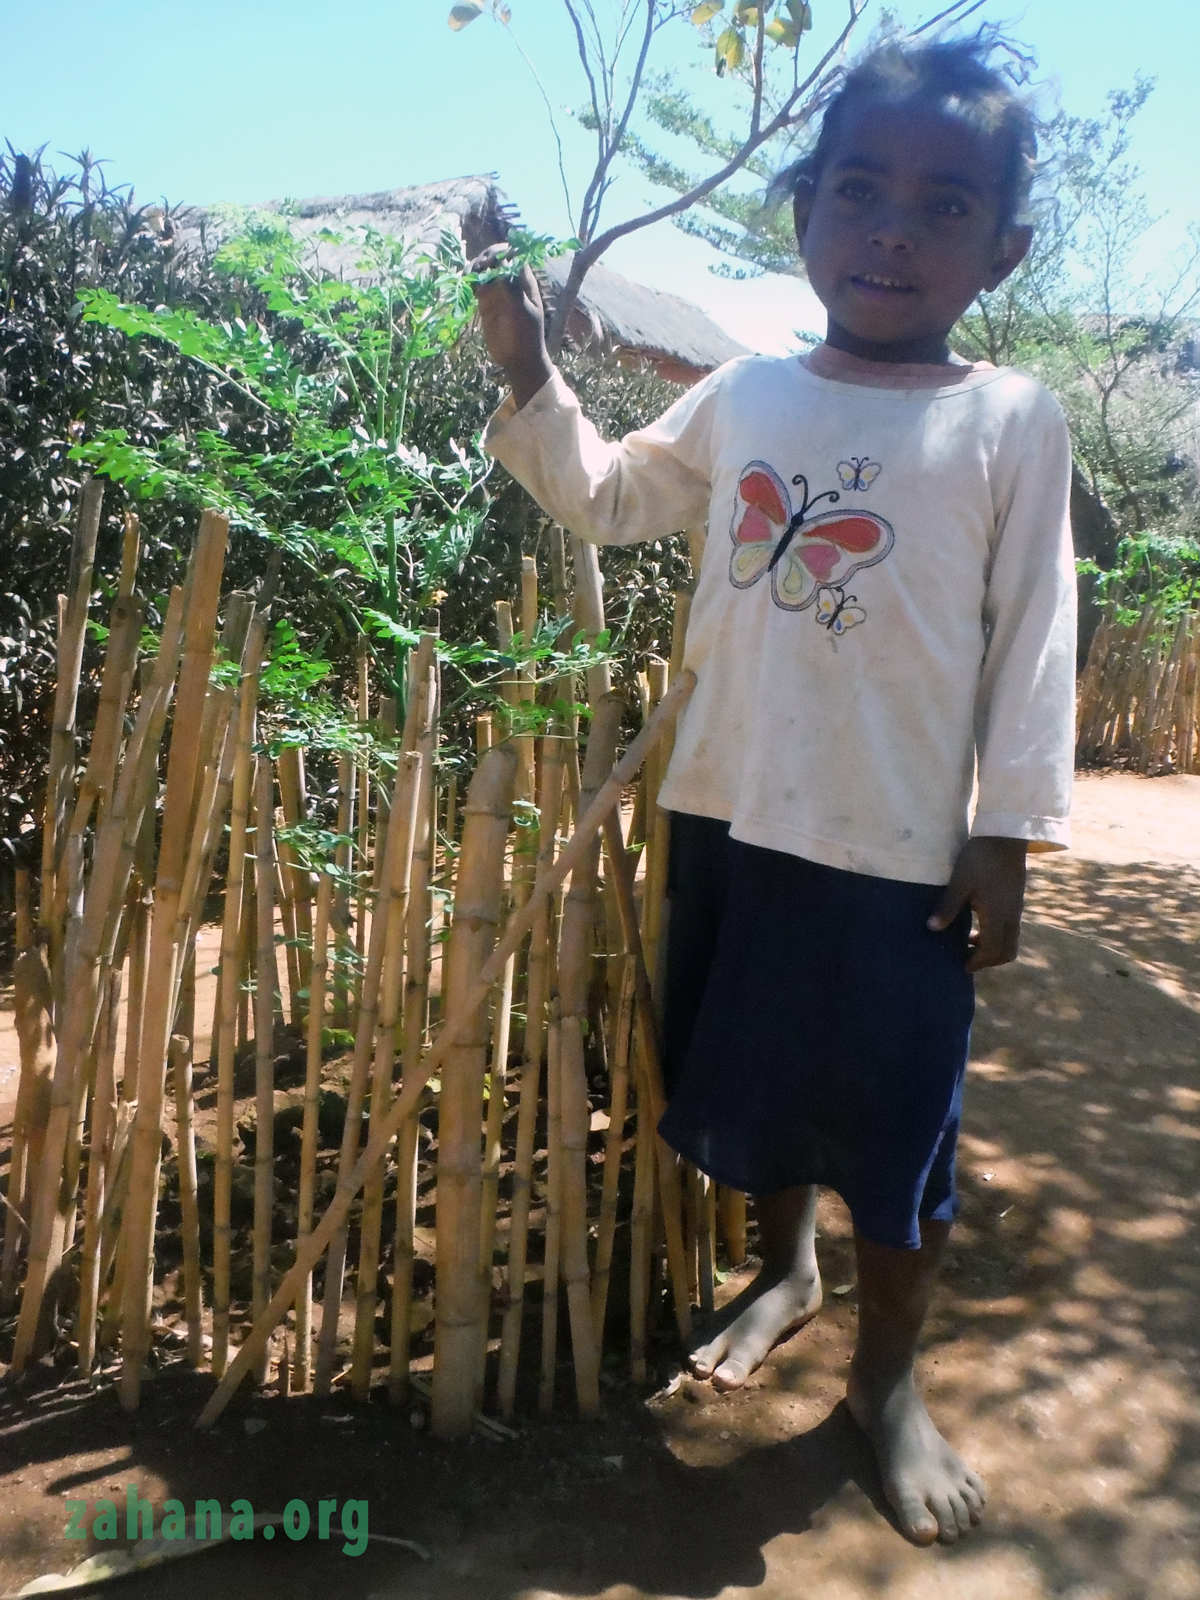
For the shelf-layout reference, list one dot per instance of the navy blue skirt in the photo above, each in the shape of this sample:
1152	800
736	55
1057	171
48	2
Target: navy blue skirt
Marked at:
815	1030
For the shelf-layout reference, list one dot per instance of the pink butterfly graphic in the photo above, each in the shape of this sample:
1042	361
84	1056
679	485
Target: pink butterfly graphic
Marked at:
804	555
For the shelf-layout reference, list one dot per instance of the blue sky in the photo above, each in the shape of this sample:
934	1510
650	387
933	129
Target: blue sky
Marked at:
259	99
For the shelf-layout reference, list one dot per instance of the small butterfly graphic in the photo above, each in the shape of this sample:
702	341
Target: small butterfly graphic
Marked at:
836	612
805	555
858	473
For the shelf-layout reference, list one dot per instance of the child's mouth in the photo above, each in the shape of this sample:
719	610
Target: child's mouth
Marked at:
880	288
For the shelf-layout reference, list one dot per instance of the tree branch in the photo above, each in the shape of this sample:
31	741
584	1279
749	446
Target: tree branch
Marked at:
787	116
597	188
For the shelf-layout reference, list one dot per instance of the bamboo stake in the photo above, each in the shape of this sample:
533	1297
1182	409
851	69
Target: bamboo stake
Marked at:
364	1040
392	908
242	643
120	657
182	766
181	1066
731	1207
452	820
589	610
691	1229
111	864
493	1147
310	1130
423	732
341	903
364	821
264	1040
576	942
231	972
641	1223
131	550
33	1004
104	1110
291	960
112	1253
702	1209
71	636
460	1323
657	841
537	993
461	1019
526	681
139	953
104	1041
294	800
552	1253
651	1096
622	1030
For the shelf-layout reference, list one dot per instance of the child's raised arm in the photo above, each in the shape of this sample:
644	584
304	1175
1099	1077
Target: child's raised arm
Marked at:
655	482
514	326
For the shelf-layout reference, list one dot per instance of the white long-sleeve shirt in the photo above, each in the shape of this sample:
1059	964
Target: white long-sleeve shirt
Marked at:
915	634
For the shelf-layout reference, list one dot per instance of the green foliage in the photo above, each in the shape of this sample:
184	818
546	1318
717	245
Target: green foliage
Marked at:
364	510
735	218
313	412
1117	350
64	379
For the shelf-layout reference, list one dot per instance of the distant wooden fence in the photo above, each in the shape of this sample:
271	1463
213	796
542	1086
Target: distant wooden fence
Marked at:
1139	697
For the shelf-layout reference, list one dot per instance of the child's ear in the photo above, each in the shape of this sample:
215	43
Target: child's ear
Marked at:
1012	246
802	204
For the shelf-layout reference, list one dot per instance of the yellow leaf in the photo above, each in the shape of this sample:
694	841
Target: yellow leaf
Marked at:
464	11
705	12
746	14
731	48
785	33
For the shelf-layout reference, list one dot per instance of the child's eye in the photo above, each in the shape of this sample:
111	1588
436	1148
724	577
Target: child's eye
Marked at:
950	207
854	189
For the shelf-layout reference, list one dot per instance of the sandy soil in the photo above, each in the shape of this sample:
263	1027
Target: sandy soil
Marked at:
1063	1356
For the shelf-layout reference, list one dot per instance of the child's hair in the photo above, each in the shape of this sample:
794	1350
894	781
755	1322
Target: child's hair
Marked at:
954	74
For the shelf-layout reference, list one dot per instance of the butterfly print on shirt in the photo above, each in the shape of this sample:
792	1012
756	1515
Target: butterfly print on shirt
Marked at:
809	558
858	473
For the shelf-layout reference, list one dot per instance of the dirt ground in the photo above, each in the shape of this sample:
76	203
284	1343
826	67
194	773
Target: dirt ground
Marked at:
1063	1357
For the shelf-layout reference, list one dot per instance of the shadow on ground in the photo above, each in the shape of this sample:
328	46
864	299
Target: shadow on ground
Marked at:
1063	1359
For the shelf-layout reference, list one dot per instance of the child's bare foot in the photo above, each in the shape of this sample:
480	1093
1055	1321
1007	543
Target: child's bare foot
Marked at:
934	1494
767	1310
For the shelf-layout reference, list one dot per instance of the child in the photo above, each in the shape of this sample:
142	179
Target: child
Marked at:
884	618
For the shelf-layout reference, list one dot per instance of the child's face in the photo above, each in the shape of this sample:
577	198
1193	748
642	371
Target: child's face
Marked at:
903	228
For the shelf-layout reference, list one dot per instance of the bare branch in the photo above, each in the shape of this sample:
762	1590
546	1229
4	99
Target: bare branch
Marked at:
562	170
581	44
599	184
760	40
958	12
793	111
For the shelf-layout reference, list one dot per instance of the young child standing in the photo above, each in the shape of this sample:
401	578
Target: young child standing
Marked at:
883	634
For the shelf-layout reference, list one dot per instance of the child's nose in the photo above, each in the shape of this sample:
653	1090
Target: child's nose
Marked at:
894	230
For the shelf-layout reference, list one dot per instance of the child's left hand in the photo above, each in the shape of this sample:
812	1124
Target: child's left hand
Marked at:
989	876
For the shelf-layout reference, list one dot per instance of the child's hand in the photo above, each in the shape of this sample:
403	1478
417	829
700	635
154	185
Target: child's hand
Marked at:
989	876
514	326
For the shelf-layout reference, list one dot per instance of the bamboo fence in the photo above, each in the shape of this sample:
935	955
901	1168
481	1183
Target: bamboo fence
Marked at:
1139	694
498	1107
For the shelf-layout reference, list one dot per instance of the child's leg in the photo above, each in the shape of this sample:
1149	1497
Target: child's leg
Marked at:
934	1495
783	1297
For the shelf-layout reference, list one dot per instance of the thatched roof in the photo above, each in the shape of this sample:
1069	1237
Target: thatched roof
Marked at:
673	334
614	313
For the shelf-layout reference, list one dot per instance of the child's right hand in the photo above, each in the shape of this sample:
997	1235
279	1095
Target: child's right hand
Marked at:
514	325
